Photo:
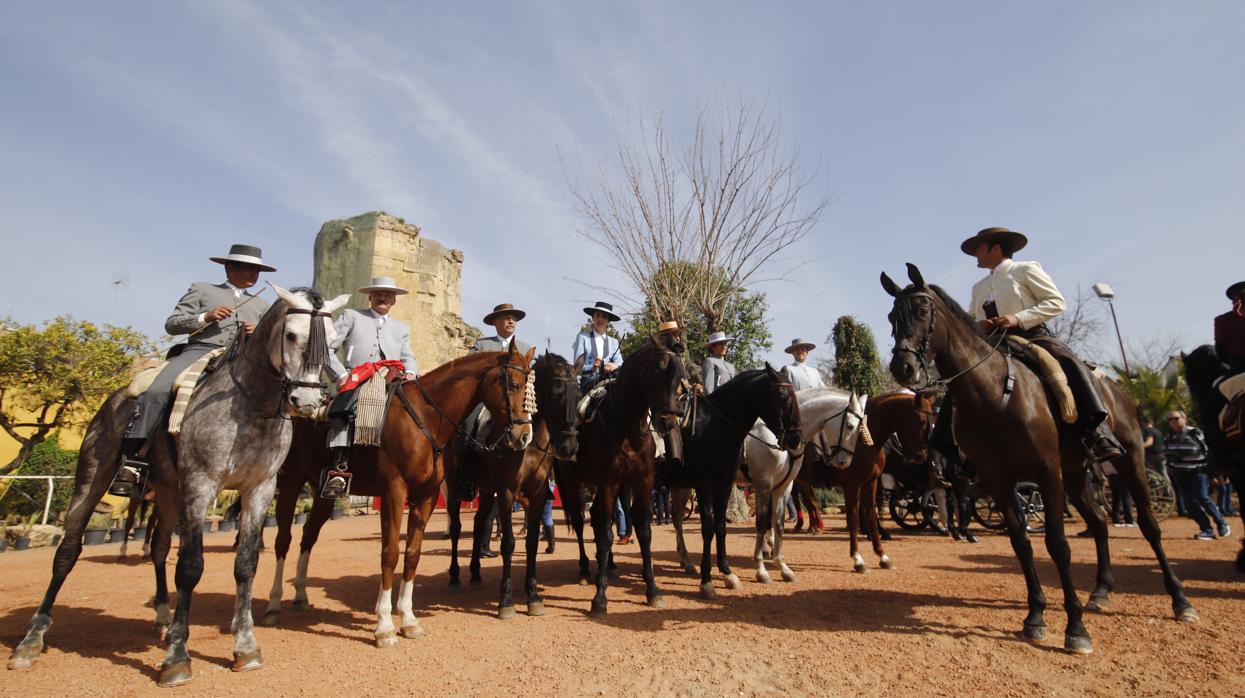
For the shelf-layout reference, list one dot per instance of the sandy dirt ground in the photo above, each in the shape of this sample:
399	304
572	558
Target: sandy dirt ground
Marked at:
944	621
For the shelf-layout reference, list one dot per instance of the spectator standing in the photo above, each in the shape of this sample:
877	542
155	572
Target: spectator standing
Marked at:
1186	462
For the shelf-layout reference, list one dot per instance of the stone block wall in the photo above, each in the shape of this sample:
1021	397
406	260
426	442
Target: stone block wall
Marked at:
349	252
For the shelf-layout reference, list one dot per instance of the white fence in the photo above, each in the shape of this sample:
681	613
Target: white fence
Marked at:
47	506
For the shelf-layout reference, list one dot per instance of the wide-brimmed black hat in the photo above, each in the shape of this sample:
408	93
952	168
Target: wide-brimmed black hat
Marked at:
504	309
1011	239
244	254
603	307
1235	290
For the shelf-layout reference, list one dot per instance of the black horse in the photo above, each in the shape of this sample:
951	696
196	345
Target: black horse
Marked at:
1202	367
712	442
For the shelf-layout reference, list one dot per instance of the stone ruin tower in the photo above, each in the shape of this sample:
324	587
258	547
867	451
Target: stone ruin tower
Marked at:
351	251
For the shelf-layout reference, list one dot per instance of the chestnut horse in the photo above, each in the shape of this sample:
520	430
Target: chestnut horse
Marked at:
1014	436
616	451
506	473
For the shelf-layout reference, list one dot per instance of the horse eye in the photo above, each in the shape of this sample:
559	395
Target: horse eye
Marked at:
290	337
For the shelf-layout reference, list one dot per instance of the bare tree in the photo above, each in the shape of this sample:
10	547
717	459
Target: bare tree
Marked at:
1081	325
691	225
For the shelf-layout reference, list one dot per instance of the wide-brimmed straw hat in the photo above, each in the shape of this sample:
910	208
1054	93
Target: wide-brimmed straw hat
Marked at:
716	337
667	326
603	307
384	283
800	342
244	254
1235	290
1008	238
504	309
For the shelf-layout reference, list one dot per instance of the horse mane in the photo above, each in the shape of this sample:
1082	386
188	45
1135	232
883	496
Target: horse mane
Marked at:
312	295
1201	367
954	307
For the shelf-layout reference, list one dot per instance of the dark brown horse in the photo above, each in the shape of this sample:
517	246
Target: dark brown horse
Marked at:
903	414
1014	436
501	474
616	451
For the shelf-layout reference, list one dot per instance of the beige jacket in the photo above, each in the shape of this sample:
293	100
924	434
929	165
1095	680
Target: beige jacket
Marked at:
1022	289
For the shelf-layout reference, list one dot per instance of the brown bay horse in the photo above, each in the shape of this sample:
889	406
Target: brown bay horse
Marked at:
616	452
1016	437
508	473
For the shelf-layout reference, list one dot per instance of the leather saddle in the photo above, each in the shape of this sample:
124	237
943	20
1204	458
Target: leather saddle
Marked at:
1232	416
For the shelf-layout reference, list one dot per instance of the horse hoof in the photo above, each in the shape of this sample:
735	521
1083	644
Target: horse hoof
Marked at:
732	581
505	613
1187	615
860	568
411	632
247	661
176	674
657	601
301	605
764	578
886	563
536	608
598	611
25	655
971	538
707	592
1098	603
1078	644
690	569
584	581
1034	633
386	639
788	576
270	619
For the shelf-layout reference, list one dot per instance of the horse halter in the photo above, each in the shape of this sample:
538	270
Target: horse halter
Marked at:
315	353
838	447
572	404
922	354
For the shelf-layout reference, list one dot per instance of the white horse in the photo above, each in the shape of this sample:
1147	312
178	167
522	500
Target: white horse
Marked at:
830	420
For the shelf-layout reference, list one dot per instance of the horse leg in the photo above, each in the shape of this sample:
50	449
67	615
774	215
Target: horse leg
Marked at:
1135	479
962	485
416	522
721	496
851	503
147	506
764	521
160	533
573	508
480	531
1100	597
603	532
196	496
1035	625
788	575
875	536
289	488
1076	637
246	656
390	538
533	515
642	526
708	525
87	493
453	510
505	506
321	511
678	497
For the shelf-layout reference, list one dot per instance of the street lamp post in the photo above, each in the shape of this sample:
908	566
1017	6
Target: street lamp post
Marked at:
1103	291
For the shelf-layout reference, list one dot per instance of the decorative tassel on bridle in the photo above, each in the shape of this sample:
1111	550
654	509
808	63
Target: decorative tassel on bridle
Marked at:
317	351
529	394
865	436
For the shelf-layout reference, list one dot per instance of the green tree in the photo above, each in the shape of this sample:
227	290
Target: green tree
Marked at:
856	364
26	497
1156	391
743	320
57	375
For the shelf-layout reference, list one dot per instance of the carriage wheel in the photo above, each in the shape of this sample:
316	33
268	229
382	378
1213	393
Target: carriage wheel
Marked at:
690	507
907	509
986	513
1032	506
1162	495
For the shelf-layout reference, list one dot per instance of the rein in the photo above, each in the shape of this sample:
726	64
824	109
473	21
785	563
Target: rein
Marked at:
839	447
458	427
316	352
922	353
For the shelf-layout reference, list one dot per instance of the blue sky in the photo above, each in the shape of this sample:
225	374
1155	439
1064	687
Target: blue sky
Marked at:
140	138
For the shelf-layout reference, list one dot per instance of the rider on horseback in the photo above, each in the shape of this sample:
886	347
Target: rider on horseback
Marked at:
602	355
1230	330
211	315
1019	298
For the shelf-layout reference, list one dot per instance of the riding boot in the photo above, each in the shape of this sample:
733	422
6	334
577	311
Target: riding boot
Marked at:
336	479
674	447
550	539
1092	412
133	468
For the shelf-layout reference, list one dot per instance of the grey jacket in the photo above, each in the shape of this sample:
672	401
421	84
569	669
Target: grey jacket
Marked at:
201	298
363	339
494	344
714	372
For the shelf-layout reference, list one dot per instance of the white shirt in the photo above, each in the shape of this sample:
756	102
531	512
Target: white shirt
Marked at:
599	341
803	376
505	342
1022	289
380	319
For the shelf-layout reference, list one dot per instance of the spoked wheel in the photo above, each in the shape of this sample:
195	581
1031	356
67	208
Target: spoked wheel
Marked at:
986	512
909	508
1162	495
1032	507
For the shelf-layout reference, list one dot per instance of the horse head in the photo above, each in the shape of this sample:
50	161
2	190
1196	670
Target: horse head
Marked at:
296	343
913	327
505	394
664	380
1201	367
781	411
557	395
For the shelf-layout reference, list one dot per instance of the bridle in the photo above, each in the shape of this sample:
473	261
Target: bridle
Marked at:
511	420
571	415
317	350
922	354
829	453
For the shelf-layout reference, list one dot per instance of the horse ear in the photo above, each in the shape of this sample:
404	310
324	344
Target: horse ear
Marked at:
530	354
337	303
890	286
579	363
770	370
291	299
915	275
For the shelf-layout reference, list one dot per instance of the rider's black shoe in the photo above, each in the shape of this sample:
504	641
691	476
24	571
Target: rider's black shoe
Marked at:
1104	447
334	486
133	468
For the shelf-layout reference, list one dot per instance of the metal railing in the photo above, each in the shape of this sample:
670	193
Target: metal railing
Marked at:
47	505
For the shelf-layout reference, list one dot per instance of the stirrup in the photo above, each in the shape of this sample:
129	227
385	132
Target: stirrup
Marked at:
334	484
130	476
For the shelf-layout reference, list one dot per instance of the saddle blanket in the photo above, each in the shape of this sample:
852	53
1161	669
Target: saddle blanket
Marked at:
183	386
1232	417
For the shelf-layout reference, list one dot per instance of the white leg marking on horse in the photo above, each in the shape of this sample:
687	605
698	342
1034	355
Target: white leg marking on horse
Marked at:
300	577
274	596
405	591
885	561
384	618
858	563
